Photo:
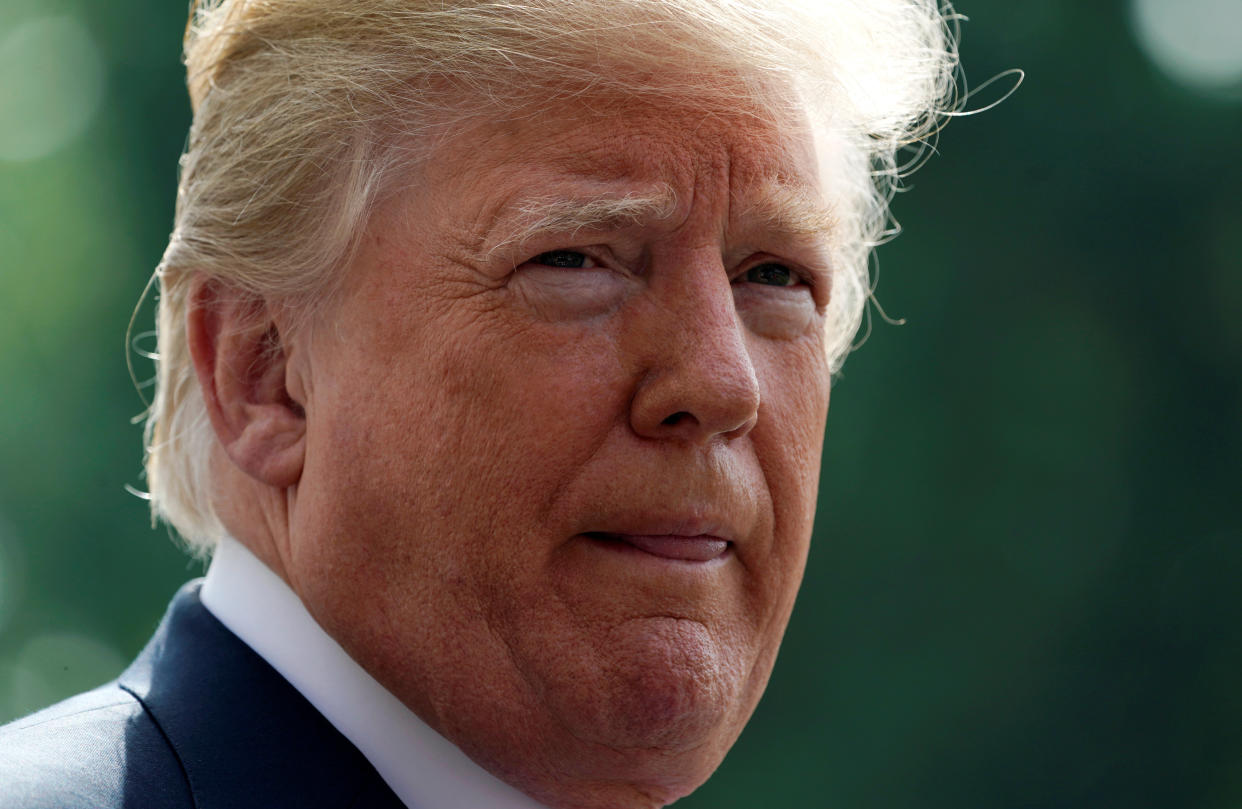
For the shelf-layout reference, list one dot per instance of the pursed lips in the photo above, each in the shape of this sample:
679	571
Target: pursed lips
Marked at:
699	548
687	539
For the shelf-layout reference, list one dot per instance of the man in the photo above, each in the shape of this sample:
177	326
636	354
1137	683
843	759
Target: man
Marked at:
495	351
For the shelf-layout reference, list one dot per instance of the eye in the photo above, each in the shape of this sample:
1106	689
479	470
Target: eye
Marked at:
772	274
564	259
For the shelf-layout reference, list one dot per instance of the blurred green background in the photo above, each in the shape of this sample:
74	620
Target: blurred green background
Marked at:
1026	583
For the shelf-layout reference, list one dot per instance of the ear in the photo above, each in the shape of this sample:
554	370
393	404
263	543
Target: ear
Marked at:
240	359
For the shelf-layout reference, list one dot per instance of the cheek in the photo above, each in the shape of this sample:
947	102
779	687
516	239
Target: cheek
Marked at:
494	424
477	417
794	382
528	408
794	390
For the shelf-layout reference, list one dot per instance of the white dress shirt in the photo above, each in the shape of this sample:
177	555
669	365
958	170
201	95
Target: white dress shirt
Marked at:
424	769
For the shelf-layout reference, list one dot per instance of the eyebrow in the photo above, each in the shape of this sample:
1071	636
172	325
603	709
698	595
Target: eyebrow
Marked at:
792	211
785	210
542	215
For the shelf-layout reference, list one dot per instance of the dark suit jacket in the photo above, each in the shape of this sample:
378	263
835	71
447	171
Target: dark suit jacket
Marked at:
199	720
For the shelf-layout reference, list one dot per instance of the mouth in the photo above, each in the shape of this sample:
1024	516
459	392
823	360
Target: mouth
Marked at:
696	548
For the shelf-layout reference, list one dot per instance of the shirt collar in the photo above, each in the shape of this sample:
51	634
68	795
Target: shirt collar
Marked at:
424	769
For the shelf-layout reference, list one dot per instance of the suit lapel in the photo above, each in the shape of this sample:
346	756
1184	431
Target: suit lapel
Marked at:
244	736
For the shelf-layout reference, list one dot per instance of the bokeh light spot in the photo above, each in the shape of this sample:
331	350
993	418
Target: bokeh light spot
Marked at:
51	86
1196	42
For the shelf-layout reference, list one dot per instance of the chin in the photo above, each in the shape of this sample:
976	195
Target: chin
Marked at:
665	702
672	711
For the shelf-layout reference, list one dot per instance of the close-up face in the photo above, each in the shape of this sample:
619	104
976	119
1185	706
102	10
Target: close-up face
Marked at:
563	438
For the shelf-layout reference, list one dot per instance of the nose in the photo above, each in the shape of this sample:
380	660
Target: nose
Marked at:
699	383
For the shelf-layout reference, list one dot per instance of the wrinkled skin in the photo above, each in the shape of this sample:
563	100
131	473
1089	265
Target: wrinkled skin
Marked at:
499	434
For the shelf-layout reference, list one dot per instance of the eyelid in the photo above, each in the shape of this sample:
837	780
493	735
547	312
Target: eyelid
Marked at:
586	256
815	276
603	255
800	271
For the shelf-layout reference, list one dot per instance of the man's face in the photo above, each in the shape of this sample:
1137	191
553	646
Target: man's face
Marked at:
564	430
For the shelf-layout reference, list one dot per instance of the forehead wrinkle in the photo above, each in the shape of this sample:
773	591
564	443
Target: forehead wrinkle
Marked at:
568	215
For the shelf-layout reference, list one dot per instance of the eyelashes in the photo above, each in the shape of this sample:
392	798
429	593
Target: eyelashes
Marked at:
564	259
771	273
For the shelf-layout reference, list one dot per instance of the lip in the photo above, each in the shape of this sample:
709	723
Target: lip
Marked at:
697	548
677	537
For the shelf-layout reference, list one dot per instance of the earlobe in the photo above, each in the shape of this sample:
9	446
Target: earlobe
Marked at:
240	358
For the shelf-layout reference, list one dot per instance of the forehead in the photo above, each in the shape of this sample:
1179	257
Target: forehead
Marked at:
752	162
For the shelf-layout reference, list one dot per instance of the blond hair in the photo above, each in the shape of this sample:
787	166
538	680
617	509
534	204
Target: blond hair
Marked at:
304	110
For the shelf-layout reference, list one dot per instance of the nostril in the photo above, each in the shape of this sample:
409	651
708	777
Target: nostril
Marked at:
676	418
